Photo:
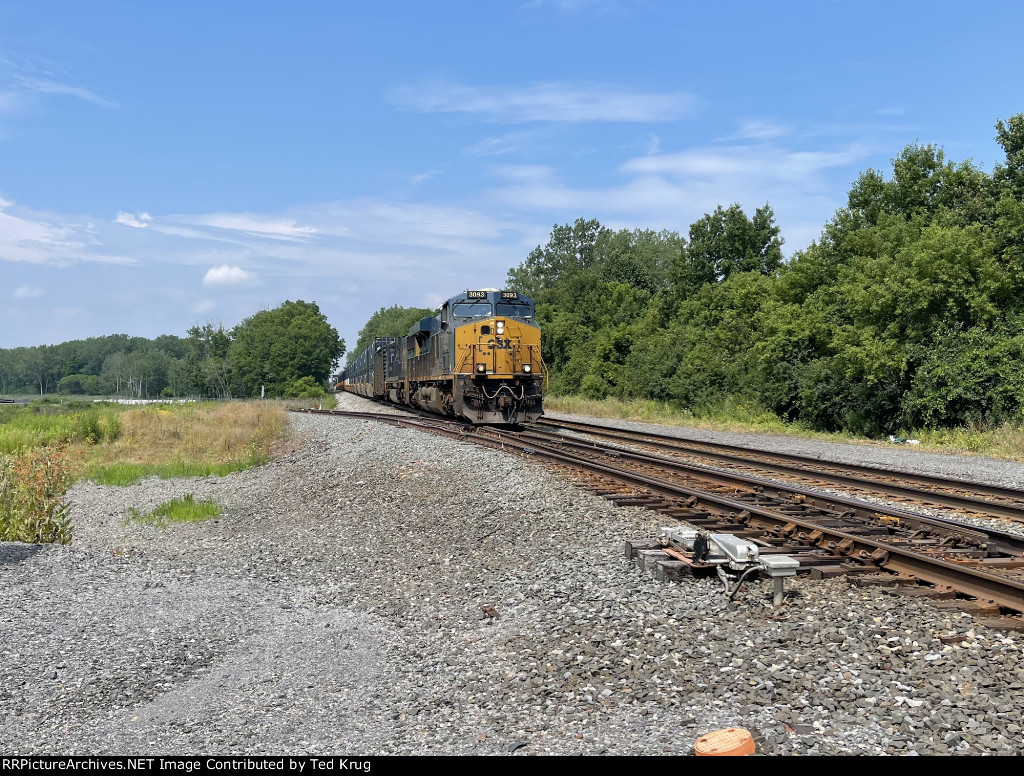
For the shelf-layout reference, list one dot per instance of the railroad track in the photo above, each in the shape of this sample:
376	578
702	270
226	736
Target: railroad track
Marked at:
828	534
970	498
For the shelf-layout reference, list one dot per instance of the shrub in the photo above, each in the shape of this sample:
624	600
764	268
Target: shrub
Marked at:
303	388
33	507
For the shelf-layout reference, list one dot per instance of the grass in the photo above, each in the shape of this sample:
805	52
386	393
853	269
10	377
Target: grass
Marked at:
1005	442
177	510
191	440
47	445
40	425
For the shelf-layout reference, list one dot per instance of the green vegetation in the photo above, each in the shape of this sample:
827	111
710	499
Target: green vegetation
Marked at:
33	507
269	352
43	424
116	445
131	473
177	510
279	349
907	313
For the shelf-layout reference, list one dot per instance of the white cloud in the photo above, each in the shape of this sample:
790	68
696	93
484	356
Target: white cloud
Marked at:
21	81
672	190
277	228
760	130
546	102
760	160
525	172
138	220
28	292
44	239
227	275
425	176
44	86
501	144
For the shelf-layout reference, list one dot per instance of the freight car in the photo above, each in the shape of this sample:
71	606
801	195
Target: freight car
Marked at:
479	358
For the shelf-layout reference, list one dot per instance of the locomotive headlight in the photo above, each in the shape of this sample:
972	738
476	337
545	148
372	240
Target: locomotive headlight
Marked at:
500	327
481	368
527	368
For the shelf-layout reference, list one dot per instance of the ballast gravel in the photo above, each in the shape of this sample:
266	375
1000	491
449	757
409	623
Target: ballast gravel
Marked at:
383	591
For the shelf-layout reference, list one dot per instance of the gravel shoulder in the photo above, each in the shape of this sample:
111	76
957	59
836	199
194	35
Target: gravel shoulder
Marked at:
337	607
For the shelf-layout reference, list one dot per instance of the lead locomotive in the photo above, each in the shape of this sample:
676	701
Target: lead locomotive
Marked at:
478	358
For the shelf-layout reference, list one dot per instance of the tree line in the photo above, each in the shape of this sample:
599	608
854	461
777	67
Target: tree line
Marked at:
907	312
288	351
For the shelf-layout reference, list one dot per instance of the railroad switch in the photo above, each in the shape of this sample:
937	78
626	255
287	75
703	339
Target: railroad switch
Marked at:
733	558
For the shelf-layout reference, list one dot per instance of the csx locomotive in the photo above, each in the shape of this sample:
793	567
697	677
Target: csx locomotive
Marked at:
479	358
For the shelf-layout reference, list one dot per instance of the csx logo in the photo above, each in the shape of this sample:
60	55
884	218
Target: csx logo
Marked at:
500	344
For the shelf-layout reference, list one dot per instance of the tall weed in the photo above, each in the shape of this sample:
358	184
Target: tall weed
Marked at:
33	504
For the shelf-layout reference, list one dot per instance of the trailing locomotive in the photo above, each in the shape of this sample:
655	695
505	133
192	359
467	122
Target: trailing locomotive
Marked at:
479	358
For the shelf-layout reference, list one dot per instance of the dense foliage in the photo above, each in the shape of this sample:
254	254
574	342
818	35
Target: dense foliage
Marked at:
907	312
276	350
391	321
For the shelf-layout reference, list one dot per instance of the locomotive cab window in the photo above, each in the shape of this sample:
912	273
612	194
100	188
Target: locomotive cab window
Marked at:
472	310
515	309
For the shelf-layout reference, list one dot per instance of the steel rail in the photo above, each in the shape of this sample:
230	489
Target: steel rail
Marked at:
741	455
1004	542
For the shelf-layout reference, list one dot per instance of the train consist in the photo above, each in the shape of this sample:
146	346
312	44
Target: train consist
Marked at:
479	358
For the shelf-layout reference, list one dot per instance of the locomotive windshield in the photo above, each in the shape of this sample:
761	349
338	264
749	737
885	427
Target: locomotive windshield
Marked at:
472	309
515	309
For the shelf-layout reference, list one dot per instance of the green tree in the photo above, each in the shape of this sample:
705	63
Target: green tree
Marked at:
1010	135
726	241
569	250
279	346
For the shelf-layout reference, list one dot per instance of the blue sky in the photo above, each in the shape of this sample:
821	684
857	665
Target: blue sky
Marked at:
165	165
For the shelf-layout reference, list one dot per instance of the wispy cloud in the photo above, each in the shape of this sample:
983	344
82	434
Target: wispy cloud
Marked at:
28	292
39	238
760	130
45	86
501	145
671	190
426	176
561	102
526	172
277	228
226	275
23	80
137	220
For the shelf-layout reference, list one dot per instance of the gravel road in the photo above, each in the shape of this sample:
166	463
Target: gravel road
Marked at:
337	607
